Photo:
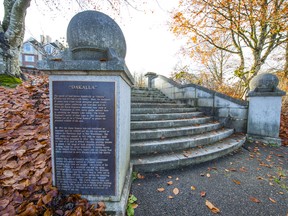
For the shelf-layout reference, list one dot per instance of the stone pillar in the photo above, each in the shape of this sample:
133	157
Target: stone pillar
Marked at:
90	101
151	76
264	109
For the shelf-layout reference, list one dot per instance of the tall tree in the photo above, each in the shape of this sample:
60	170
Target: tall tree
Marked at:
254	28
12	28
12	33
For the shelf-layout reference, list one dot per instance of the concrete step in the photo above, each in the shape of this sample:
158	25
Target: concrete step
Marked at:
158	105
140	125
159	110
147	94
174	144
152	100
146	91
168	116
177	159
149	134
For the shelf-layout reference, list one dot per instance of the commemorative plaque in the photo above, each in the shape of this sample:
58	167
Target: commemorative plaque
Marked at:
84	137
90	106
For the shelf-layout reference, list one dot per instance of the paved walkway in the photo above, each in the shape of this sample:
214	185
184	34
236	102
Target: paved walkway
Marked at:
252	181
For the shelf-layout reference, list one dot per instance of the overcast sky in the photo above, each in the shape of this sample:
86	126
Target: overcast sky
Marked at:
150	44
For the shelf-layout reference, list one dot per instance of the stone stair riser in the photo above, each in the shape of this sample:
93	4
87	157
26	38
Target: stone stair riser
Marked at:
152	100
171	116
158	105
178	162
174	132
166	124
162	110
178	144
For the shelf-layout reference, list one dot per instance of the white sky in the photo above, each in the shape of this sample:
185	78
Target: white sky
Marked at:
151	47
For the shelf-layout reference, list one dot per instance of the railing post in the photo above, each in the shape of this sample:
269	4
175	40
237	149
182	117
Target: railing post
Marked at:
151	76
264	109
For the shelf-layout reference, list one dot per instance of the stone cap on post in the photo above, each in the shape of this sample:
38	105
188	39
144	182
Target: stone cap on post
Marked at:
150	76
96	46
265	85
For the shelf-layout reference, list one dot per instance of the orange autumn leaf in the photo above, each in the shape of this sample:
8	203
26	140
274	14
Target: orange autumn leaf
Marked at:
193	188
272	200
203	193
169	182
47	199
31	209
253	199
176	191
236	182
213	209
161	189
139	176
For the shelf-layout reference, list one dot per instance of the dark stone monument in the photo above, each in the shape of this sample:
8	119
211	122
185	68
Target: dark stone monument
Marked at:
90	112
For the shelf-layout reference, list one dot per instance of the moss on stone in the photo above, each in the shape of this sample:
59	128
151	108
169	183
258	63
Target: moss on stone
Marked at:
9	81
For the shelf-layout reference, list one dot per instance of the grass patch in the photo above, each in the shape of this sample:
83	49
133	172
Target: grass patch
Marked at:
9	81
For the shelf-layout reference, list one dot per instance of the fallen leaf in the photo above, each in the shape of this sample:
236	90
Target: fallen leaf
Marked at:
243	169
161	189
47	198
4	203
236	182
214	209
253	199
101	205
134	205
186	153
203	193
177	179
78	211
170	182
208	175
176	191
279	155
193	188
170	197
43	181
8	174
272	200
139	176
170	177
260	178
11	165
30	210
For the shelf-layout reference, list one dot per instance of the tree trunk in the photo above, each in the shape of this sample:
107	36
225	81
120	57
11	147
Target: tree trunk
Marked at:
286	60
13	28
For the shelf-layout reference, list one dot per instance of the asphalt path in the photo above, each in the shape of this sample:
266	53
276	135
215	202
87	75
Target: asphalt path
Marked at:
251	181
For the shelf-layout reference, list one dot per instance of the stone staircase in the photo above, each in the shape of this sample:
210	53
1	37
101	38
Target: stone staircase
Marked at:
166	135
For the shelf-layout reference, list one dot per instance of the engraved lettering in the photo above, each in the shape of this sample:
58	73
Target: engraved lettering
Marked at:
81	87
84	137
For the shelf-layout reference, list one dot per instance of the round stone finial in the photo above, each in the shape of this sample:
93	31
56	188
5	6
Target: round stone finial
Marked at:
91	33
265	82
